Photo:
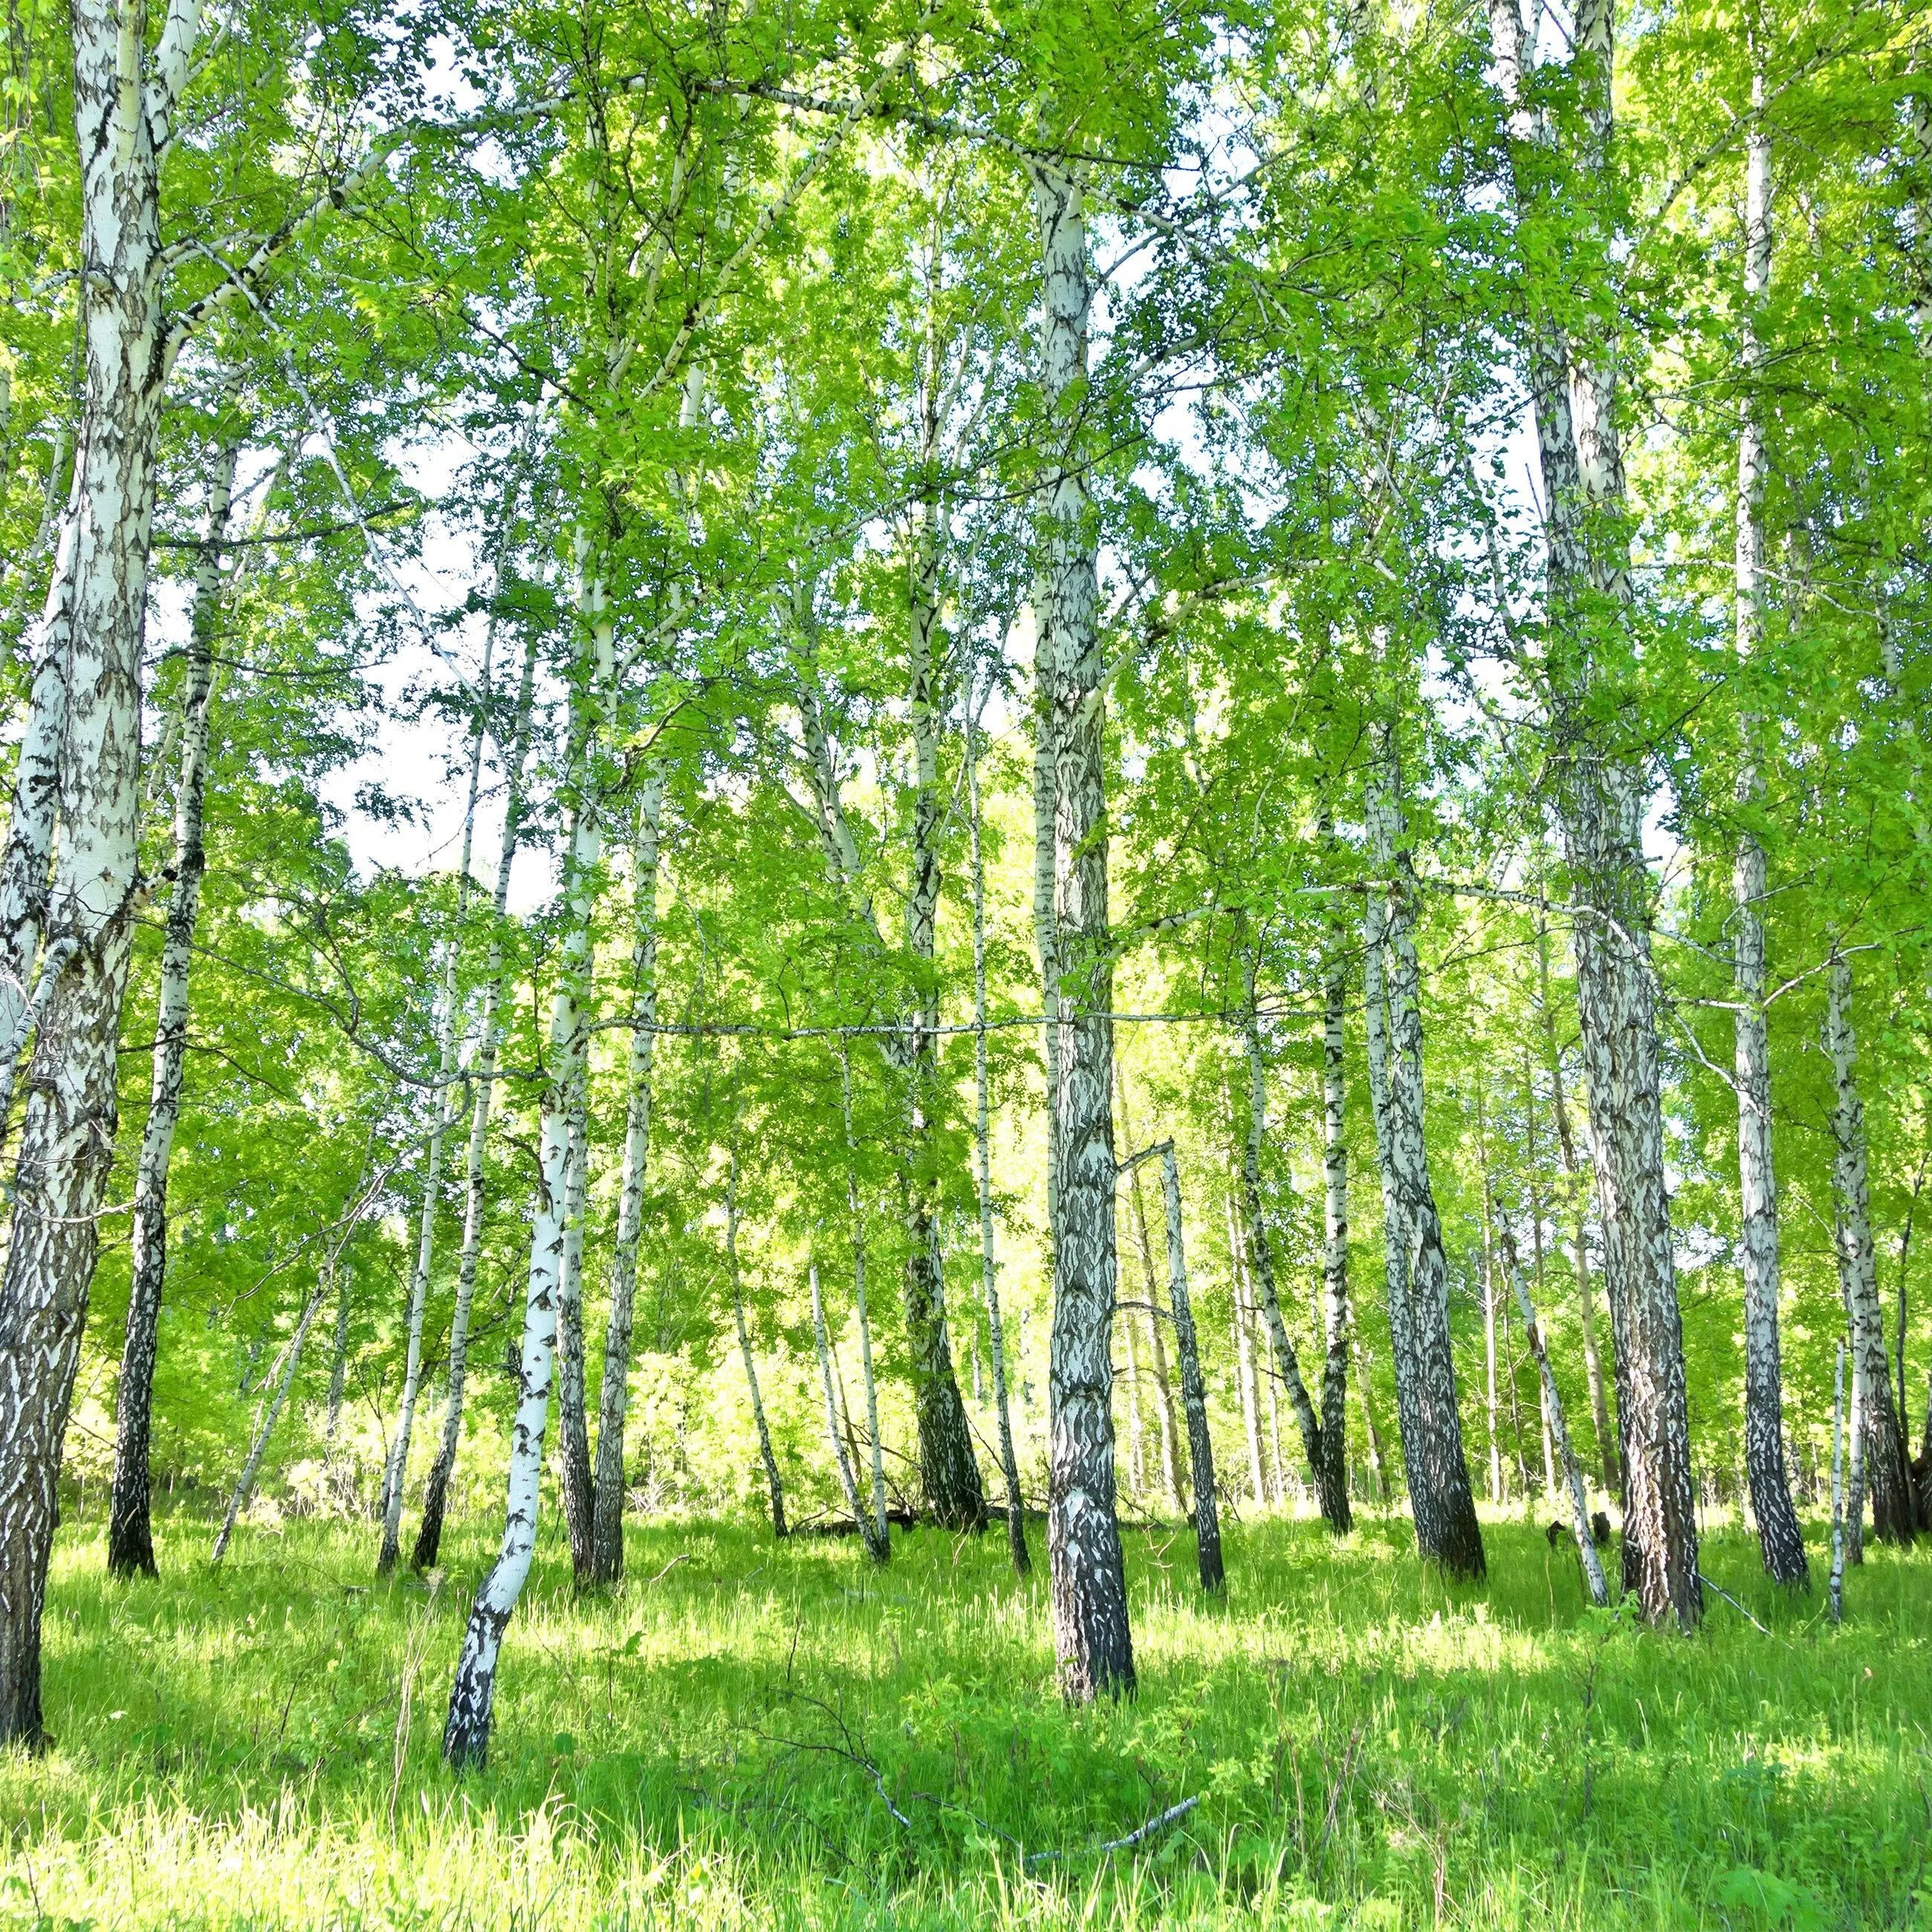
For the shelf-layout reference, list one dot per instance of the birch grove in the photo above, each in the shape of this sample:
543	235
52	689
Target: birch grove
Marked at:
1347	592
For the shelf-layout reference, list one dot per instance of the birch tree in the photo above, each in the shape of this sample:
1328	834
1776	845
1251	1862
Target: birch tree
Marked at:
1880	1453
1781	1541
1090	1600
1444	1509
1601	797
130	1546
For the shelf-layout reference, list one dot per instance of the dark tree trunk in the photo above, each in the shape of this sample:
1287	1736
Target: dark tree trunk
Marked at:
131	1544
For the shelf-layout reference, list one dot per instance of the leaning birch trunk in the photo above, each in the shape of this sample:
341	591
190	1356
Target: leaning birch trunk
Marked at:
244	1483
881	1546
607	1538
1552	1407
1781	1541
67	1133
130	1542
1600	801
1328	1455
1446	1527
848	1480
483	1079
774	1488
465	1732
1193	1390
1880	1453
396	1478
989	1266
1091	1635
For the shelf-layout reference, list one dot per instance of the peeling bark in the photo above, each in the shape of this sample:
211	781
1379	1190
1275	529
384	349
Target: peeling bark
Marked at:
121	119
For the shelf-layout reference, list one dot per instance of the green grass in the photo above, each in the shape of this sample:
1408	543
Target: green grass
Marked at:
1370	1746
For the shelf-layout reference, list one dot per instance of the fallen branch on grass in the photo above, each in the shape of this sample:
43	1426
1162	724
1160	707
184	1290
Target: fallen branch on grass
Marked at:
1140	1833
1732	1601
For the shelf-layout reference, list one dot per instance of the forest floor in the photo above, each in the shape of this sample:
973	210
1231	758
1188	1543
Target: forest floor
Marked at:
752	1734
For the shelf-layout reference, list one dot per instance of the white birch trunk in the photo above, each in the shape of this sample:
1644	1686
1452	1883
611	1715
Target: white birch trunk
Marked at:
396	1477
1193	1390
1335	1218
1879	1452
483	1080
1586	1313
774	1488
1244	1369
1170	1471
1447	1531
879	1545
608	1501
1781	1542
1600	800
1835	1587
983	1148
244	1483
949	1471
848	1481
68	1133
1091	1634
1395	1236
1552	1407
1327	1456
592	699
466	1735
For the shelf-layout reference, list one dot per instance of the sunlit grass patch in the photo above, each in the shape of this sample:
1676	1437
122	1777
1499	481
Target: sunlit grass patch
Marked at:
749	1734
